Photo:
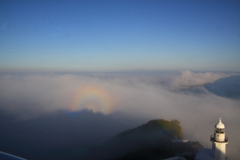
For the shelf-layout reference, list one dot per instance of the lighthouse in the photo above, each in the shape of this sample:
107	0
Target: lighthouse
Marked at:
219	141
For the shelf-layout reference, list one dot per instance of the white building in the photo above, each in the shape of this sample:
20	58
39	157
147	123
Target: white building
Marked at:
219	141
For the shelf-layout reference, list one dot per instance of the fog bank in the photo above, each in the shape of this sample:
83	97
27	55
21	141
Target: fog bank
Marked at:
145	97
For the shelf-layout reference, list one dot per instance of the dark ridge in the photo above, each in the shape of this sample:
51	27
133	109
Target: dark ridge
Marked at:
151	140
170	128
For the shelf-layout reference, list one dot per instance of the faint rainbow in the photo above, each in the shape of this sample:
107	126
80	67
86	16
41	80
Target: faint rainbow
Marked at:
86	94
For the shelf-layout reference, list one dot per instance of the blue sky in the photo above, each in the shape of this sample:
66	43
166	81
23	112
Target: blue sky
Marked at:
119	35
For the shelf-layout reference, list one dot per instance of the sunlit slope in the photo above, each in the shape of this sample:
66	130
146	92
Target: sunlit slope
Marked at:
169	128
150	140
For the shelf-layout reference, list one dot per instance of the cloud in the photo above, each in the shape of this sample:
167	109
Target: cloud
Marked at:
188	78
139	96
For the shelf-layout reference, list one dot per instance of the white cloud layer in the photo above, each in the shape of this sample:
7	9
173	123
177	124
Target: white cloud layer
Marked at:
188	78
135	96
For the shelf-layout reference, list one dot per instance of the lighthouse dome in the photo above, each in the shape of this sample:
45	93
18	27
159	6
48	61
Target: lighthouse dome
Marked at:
220	125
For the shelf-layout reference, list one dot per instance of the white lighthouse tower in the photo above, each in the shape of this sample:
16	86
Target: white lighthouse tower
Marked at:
219	141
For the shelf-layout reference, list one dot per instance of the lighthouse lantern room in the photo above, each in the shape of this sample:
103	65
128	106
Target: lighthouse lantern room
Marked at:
219	141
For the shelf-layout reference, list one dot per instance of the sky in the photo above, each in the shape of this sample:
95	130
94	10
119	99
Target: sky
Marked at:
115	35
76	54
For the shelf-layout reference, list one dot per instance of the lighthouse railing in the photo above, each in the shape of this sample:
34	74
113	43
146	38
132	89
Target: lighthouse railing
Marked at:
213	139
226	139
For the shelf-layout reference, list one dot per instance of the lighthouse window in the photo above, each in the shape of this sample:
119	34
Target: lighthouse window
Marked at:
219	130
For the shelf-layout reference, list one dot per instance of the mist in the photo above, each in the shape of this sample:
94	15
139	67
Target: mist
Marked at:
139	97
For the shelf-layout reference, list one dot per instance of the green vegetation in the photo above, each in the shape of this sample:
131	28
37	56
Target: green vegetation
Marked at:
170	128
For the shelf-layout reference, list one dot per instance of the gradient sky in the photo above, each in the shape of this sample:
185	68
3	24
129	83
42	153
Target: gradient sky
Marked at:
119	35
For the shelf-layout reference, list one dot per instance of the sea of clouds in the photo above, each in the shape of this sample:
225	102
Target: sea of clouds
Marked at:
146	96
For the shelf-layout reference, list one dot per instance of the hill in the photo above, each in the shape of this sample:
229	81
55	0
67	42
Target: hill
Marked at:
148	141
170	128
